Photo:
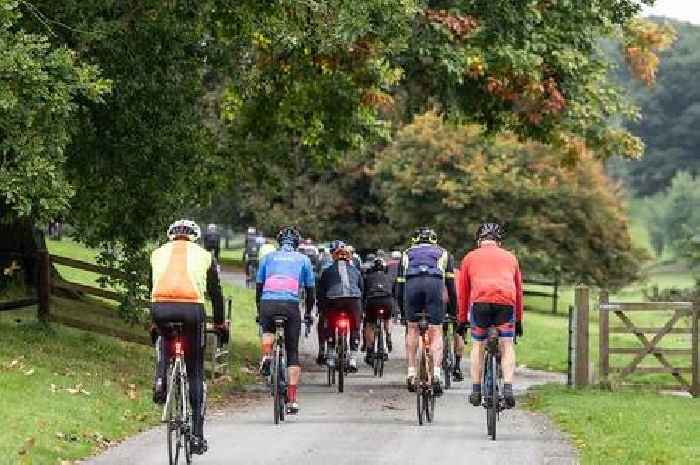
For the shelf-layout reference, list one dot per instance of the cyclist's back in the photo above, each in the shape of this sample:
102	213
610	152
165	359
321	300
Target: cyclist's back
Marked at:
183	273
491	295
281	275
340	290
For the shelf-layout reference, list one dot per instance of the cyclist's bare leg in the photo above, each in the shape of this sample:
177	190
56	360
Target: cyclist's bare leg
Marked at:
507	358
369	336
458	346
294	375
477	357
268	339
411	346
435	334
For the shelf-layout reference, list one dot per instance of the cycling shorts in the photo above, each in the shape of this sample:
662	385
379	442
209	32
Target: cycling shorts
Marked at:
484	315
373	307
424	293
269	309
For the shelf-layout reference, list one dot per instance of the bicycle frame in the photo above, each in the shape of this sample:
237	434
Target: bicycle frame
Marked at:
425	398
278	374
336	357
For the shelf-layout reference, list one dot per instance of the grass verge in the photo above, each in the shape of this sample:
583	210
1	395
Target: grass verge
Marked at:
623	428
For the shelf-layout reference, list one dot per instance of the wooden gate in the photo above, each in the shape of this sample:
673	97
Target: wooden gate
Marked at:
651	346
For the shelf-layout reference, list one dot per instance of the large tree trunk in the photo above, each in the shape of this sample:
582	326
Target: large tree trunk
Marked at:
19	240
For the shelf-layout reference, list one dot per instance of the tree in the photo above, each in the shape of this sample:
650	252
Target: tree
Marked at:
41	95
671	115
557	216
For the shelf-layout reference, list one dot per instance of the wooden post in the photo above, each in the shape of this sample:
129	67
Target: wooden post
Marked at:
555	297
582	304
695	388
43	287
603	340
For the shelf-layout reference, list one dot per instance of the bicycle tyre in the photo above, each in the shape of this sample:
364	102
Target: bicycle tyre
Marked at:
174	431
276	385
189	419
429	405
340	363
379	350
419	405
447	361
492	410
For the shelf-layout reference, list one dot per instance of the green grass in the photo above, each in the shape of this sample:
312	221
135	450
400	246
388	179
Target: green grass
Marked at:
46	421
232	257
626	427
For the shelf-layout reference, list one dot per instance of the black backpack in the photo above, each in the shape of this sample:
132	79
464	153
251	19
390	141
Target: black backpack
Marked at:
378	284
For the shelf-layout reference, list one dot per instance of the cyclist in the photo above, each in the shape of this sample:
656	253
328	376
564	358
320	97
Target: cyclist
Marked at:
212	240
182	272
378	295
325	261
392	269
458	345
250	254
340	290
308	248
281	275
426	269
491	294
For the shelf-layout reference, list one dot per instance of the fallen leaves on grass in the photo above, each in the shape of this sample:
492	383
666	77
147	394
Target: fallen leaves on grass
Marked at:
75	390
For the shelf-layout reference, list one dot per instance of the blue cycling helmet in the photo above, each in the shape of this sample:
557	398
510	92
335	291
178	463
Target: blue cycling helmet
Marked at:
288	236
336	244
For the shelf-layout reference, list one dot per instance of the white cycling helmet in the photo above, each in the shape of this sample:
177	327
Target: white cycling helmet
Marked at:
186	228
396	255
211	227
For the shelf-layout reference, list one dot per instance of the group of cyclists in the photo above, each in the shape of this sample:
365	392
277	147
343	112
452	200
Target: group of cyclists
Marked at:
484	292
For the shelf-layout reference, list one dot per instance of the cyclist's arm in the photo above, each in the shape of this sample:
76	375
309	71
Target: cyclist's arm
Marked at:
518	294
309	281
464	292
260	282
401	284
450	285
214	291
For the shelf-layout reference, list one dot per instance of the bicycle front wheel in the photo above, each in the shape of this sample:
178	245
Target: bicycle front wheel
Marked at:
429	405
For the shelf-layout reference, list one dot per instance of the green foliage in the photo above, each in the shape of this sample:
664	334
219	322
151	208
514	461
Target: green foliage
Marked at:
557	217
42	91
673	216
671	110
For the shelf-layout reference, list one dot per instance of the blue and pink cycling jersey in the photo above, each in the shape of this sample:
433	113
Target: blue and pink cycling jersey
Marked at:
283	272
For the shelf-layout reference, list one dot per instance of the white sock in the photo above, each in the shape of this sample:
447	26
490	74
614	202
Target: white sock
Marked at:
411	372
437	372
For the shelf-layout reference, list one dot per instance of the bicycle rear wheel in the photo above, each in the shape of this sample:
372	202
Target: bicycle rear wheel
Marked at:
276	385
340	363
429	405
174	430
447	361
420	409
492	407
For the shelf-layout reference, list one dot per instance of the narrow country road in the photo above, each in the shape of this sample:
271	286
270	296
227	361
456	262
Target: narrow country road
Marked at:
373	422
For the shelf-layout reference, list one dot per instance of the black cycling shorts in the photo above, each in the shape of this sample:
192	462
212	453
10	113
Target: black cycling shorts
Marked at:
269	309
374	305
484	315
425	293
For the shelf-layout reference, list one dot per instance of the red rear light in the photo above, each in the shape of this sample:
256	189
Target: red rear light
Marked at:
179	348
343	323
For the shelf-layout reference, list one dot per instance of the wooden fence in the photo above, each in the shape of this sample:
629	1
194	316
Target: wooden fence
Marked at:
42	279
650	346
554	294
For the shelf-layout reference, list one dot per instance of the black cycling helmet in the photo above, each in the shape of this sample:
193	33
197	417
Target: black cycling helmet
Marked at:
424	235
378	264
288	236
490	232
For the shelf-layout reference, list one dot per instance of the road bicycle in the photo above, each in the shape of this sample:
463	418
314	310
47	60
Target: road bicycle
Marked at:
177	414
493	400
337	353
278	374
448	352
425	394
380	354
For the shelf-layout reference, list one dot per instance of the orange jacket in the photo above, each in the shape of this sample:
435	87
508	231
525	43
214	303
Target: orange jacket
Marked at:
489	274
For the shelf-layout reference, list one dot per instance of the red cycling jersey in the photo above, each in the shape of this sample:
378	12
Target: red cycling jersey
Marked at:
489	274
